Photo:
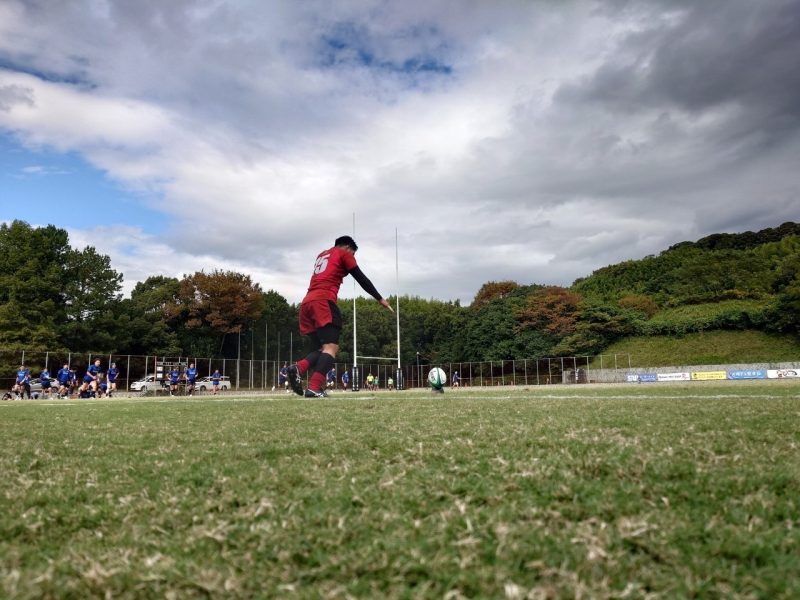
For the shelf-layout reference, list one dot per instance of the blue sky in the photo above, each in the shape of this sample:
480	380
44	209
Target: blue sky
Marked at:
44	187
531	141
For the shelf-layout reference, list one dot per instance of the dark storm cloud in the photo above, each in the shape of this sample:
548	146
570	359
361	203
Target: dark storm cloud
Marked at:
709	54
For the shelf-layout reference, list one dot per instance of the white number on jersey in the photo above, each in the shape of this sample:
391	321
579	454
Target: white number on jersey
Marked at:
321	264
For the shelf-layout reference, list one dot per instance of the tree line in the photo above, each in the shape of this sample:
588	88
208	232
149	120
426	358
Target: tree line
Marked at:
56	297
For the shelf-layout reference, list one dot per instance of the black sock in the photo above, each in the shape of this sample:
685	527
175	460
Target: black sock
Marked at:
325	363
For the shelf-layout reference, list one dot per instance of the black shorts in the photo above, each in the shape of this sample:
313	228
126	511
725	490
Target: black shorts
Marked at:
326	335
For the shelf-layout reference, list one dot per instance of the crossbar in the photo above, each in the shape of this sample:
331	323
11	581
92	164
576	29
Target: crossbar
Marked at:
379	357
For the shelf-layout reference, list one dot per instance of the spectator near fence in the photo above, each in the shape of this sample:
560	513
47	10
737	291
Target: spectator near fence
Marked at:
44	379
174	376
90	380
215	377
111	378
64	377
331	383
283	377
191	378
23	385
345	380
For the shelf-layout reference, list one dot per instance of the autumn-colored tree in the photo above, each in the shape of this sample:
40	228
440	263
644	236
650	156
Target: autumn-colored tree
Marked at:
222	301
493	290
553	310
639	303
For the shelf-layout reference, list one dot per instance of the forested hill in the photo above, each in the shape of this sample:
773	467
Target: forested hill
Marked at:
749	280
742	241
751	265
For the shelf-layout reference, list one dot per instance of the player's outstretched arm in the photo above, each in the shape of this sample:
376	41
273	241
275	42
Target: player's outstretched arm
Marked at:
367	286
386	304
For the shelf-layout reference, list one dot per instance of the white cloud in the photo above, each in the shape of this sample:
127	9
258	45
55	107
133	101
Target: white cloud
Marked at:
529	141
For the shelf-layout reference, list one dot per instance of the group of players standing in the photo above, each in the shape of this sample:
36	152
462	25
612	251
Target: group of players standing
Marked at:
94	384
189	377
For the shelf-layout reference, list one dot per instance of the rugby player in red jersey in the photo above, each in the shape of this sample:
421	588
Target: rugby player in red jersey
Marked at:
320	318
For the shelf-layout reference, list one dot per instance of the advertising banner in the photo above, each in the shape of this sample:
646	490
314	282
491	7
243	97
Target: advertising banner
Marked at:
646	377
674	377
783	373
748	374
709	375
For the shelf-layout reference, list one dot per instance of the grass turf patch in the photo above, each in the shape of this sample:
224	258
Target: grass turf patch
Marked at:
641	491
705	348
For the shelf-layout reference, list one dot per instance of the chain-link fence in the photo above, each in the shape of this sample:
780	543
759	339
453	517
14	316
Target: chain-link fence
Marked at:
150	373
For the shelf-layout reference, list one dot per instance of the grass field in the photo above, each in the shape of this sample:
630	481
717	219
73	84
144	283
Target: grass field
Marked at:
645	491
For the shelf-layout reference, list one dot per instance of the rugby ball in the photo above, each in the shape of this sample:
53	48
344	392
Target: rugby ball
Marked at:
437	378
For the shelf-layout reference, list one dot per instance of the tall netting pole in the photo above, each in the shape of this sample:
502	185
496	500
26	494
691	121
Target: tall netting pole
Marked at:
399	378
356	380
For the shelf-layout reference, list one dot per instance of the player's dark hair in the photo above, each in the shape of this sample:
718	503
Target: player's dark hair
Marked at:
346	240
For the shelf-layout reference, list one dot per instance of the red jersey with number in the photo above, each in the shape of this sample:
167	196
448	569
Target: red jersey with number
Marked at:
330	269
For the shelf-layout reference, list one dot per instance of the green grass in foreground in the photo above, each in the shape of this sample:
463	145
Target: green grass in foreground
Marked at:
706	348
643	491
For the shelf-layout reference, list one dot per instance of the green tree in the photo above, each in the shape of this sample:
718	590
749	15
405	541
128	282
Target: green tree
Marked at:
91	302
491	331
146	326
32	280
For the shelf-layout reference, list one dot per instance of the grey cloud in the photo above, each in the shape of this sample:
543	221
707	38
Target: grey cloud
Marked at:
713	54
11	95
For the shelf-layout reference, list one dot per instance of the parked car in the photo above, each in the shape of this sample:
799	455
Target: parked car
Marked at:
205	383
147	384
36	387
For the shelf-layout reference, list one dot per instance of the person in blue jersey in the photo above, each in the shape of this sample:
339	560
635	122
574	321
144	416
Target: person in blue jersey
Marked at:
23	382
111	379
456	379
191	378
44	379
91	379
331	378
215	378
174	377
64	377
345	380
283	377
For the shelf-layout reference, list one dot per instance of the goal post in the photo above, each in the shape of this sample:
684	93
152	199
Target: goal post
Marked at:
399	379
398	373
